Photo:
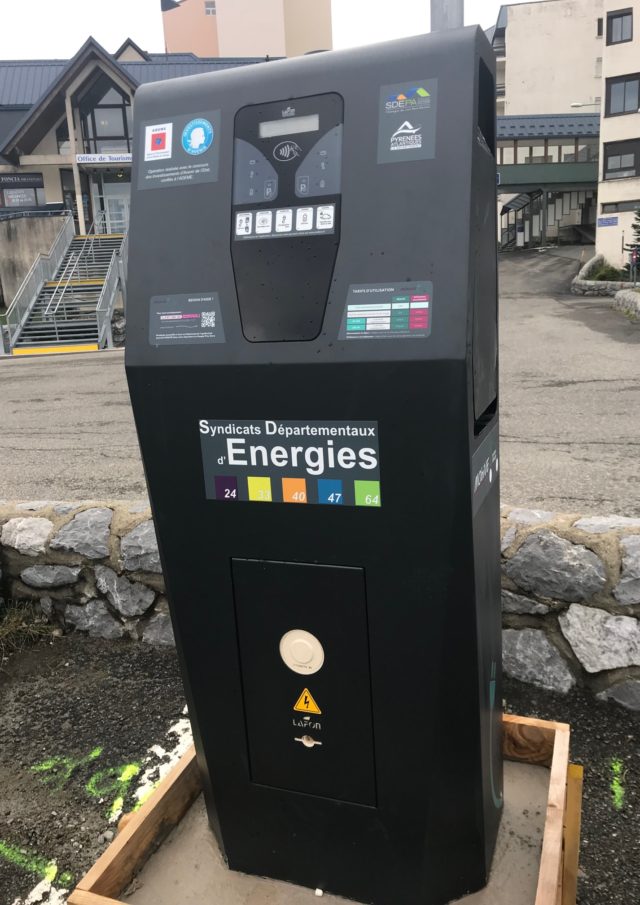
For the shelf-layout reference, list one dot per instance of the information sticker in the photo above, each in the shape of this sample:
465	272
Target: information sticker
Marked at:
387	311
183	319
326	463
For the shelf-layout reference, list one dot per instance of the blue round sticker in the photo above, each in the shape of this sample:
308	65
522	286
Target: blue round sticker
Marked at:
197	136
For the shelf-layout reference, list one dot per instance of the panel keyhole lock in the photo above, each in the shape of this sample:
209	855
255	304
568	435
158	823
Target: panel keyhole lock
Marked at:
307	741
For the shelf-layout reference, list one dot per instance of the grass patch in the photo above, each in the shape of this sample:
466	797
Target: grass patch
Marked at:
21	625
607	272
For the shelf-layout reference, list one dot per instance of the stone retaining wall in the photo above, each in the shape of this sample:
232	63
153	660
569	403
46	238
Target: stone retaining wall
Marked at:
628	301
570	597
93	567
582	285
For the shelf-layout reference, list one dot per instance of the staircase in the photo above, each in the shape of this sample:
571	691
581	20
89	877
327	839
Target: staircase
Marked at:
65	314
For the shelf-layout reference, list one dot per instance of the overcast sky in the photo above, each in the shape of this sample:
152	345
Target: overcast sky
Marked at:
44	29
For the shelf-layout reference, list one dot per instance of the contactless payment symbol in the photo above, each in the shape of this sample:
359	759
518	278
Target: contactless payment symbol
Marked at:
197	136
158	141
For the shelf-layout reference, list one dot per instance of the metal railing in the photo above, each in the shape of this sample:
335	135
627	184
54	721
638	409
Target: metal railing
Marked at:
43	268
48	211
104	308
61	287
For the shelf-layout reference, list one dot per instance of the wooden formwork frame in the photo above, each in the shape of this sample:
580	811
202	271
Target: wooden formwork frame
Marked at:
526	740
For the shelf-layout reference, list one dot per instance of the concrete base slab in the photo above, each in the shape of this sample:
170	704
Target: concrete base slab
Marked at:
188	868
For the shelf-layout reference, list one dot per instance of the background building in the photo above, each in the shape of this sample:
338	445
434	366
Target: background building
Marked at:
549	56
548	85
230	28
66	144
619	185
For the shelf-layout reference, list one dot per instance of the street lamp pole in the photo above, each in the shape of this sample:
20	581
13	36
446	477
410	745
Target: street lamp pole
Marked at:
446	14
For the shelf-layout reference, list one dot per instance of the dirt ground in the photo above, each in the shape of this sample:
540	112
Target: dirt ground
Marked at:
77	718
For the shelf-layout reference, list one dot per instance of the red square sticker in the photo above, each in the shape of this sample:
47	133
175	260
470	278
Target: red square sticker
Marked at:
158	141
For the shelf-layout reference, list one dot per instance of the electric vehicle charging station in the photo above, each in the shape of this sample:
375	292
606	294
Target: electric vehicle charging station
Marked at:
312	361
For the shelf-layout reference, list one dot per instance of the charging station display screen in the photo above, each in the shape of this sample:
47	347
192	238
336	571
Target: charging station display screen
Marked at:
276	127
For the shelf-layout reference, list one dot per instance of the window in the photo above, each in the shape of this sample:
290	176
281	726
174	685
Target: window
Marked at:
505	152
561	150
209	7
619	26
623	95
615	207
105	115
621	159
588	149
599	31
62	138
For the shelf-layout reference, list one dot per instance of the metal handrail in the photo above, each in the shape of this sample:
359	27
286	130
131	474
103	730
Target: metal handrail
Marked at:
106	300
73	261
124	254
42	269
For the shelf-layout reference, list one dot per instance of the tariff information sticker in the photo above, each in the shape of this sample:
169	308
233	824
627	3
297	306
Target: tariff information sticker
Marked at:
182	151
177	320
327	463
407	121
387	311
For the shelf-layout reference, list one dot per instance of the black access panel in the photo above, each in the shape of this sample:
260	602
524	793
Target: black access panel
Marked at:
312	361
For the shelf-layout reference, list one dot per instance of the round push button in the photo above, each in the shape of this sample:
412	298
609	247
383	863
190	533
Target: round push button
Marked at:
301	651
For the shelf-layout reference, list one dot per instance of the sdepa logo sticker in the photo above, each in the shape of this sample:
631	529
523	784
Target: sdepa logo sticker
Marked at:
197	136
415	98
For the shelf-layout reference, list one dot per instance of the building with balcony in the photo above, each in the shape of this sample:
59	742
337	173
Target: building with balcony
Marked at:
619	182
230	28
548	56
547	178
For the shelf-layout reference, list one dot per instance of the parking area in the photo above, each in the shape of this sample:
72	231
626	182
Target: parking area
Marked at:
569	401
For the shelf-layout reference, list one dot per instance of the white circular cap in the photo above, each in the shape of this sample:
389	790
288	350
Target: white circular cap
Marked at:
302	652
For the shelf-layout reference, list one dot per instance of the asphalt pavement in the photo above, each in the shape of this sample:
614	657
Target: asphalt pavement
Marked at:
570	398
570	392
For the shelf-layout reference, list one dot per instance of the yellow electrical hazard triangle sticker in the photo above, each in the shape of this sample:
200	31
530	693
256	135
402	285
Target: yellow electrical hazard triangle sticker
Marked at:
306	704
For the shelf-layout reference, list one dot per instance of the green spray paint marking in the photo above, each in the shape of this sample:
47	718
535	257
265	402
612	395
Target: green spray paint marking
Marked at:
113	781
60	769
57	771
145	797
48	870
617	789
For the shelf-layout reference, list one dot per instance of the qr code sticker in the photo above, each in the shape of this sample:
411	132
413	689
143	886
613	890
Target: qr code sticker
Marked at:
208	318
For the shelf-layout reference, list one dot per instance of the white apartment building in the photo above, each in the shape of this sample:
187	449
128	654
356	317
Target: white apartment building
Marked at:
549	57
619	173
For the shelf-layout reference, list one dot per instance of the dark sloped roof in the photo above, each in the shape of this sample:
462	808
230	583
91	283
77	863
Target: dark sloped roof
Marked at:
9	119
559	125
156	71
184	57
22	82
128	42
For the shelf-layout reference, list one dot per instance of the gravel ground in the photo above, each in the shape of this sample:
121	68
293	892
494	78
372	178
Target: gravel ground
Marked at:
63	700
605	739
